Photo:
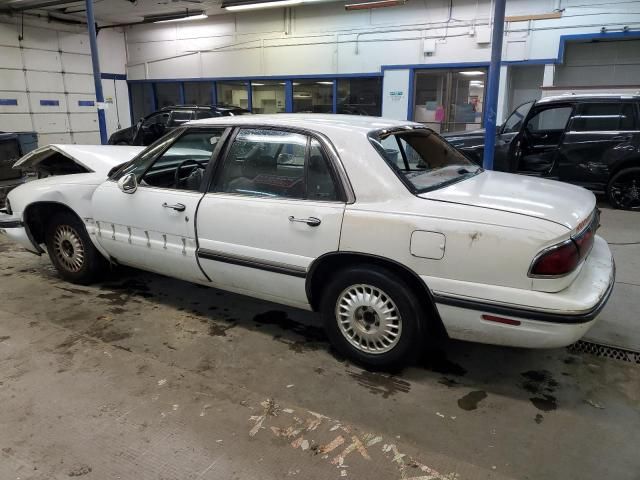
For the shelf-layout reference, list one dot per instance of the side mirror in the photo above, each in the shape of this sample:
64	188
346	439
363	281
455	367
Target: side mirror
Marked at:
128	183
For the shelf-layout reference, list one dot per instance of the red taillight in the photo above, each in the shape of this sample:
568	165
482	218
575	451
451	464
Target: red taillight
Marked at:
558	260
584	241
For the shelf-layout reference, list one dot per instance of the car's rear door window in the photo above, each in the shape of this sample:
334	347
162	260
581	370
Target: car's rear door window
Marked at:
276	163
604	117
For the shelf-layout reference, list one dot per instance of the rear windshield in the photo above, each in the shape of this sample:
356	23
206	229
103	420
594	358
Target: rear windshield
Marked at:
422	159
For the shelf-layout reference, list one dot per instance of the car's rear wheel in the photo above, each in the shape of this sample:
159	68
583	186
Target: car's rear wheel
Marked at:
624	189
372	316
71	251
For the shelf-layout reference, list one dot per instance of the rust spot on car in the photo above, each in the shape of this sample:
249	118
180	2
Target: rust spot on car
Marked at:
474	237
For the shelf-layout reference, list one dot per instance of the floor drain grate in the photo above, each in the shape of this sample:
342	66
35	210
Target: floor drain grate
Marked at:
605	351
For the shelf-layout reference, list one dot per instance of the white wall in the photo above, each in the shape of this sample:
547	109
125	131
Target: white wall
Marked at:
323	38
53	62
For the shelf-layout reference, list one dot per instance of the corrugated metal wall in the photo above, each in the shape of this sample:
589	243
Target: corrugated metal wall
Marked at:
46	85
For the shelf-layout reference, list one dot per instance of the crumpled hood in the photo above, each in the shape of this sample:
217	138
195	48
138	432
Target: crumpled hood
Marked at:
557	202
94	158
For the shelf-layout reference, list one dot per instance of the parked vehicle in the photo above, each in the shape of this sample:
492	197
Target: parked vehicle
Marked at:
380	225
12	147
588	140
150	128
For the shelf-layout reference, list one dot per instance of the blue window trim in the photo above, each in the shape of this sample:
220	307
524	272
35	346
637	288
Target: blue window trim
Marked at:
214	93
288	96
249	96
49	103
9	101
113	76
335	96
86	103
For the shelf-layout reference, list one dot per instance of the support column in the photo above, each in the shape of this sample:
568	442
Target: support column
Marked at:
549	74
494	83
97	80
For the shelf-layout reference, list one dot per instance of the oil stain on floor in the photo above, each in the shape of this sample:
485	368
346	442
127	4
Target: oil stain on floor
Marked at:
470	400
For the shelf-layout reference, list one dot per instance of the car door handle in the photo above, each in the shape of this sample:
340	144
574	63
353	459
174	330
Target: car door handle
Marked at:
311	221
178	207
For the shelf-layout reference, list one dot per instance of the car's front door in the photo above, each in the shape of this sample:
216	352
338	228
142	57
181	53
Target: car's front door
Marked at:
535	150
275	205
600	134
154	227
508	132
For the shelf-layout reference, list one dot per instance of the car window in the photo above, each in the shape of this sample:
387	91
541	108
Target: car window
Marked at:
549	119
182	165
180	117
422	159
203	114
274	163
604	117
514	122
161	118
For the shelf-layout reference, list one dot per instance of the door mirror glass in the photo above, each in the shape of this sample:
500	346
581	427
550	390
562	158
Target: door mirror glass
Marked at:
128	183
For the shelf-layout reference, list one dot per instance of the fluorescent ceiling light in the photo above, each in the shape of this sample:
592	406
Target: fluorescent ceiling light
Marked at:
324	83
254	84
257	5
201	16
472	73
375	4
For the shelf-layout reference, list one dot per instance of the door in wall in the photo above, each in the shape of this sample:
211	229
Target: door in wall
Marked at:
449	100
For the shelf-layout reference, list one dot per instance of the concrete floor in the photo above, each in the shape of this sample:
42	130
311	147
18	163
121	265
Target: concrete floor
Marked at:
144	377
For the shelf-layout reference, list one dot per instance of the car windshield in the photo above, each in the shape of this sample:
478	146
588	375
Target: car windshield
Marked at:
422	159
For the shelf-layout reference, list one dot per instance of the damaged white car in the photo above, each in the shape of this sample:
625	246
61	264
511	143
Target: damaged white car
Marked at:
380	225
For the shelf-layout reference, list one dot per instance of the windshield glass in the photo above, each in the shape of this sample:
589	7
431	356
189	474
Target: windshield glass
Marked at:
514	122
422	159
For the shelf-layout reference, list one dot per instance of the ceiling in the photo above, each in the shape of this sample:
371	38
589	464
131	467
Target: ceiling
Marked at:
114	11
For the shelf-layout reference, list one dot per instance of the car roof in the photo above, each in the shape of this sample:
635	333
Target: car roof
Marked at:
203	107
587	97
321	122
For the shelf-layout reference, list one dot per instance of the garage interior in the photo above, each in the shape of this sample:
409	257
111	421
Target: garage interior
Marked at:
145	377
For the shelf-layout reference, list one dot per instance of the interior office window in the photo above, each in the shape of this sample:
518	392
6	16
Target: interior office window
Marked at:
550	119
197	93
167	94
182	166
313	96
233	93
604	117
360	96
267	97
141	100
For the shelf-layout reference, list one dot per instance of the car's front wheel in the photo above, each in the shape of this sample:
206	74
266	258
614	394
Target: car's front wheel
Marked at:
71	251
372	316
624	189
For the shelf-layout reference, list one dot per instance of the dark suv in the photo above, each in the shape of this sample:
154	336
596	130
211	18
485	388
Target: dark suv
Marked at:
155	125
588	140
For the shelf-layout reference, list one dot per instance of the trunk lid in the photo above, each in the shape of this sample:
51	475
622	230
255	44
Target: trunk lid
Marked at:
558	202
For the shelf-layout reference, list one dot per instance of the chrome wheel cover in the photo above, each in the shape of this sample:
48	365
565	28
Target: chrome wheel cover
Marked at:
68	248
368	319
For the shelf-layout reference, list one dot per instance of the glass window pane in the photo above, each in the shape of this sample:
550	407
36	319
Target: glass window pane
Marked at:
549	119
197	93
267	163
360	96
267	97
320	182
141	100
167	94
604	117
467	95
313	96
191	154
233	93
179	117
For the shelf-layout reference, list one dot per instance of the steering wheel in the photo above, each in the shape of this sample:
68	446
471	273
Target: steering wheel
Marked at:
194	165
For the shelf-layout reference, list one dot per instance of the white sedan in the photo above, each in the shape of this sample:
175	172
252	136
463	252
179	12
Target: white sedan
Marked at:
380	225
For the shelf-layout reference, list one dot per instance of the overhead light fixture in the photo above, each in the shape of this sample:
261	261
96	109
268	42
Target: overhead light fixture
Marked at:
472	73
254	84
374	4
258	5
324	83
185	16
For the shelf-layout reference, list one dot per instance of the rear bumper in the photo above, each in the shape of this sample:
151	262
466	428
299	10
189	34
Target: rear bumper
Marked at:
547	320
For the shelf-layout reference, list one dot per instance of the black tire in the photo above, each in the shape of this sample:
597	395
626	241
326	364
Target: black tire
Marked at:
71	250
623	190
412	316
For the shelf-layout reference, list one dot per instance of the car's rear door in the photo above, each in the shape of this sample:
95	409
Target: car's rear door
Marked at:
599	135
154	227
275	204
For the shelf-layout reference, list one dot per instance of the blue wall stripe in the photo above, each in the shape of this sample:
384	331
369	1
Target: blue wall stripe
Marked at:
86	103
50	103
113	76
8	101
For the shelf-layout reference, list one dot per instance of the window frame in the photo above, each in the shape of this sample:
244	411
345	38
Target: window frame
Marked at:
336	168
